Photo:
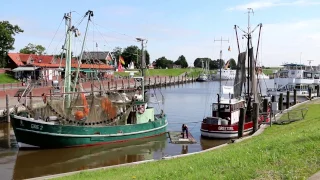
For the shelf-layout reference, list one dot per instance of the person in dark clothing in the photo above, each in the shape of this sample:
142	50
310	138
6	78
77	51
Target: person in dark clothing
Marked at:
185	130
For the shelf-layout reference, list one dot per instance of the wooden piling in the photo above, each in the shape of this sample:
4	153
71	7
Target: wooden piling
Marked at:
318	90
128	83
7	108
280	102
309	92
100	92
255	116
241	122
31	104
288	100
50	94
178	79
174	80
273	98
108	85
122	82
165	81
294	97
265	105
116	85
160	82
149	81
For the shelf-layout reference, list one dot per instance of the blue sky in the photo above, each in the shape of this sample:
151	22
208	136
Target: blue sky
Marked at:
175	27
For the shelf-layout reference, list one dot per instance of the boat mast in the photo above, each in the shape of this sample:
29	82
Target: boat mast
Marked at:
220	61
250	10
143	65
89	13
67	75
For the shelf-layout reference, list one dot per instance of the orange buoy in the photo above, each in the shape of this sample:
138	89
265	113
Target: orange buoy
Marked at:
79	115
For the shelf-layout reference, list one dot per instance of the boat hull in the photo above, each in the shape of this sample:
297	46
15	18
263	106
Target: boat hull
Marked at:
224	131
33	134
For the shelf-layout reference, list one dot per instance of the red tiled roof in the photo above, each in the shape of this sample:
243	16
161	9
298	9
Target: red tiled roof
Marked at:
15	58
46	61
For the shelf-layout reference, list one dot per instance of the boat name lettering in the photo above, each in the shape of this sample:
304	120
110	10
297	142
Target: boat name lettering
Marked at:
36	126
222	128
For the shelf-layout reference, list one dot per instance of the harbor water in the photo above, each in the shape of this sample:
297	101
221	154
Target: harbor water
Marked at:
187	103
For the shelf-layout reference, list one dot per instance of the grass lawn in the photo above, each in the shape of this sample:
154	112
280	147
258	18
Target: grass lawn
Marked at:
269	71
289	151
7	78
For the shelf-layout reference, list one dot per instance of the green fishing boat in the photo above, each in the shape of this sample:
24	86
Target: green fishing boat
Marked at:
86	118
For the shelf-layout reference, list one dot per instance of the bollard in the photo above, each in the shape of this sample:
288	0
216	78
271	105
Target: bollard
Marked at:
288	100
280	102
294	97
241	122
255	116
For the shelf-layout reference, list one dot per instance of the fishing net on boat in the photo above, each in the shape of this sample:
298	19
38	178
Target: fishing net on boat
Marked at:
240	78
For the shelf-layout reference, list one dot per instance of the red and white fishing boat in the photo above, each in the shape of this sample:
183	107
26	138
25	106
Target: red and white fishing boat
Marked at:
223	123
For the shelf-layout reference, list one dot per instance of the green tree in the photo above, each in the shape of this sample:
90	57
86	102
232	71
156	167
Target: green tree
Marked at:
33	49
133	54
116	52
232	64
7	31
198	62
163	63
182	62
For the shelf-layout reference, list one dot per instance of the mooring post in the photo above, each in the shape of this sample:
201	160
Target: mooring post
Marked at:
174	80
241	122
100	92
149	81
50	94
92	89
273	98
116	84
122	83
160	81
280	102
255	116
265	105
165	80
128	83
318	90
288	100
108	85
7	108
294	97
30	97
309	91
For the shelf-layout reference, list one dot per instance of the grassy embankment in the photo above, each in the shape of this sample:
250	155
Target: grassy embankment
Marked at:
289	151
269	70
7	78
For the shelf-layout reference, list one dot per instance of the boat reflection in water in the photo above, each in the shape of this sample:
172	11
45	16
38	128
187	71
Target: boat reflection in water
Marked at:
53	161
209	143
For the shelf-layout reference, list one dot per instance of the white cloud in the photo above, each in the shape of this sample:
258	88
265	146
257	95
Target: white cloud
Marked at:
283	42
272	3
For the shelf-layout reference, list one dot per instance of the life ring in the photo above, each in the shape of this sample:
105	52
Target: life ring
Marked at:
44	97
141	109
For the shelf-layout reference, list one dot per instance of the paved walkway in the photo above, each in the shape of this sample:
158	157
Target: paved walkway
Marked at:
315	176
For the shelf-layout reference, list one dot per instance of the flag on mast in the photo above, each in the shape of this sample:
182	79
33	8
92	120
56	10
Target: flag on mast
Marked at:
121	60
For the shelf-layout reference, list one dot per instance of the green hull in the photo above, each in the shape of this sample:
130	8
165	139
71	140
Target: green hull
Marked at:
39	134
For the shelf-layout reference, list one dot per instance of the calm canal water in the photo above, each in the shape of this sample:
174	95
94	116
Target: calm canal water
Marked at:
187	103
